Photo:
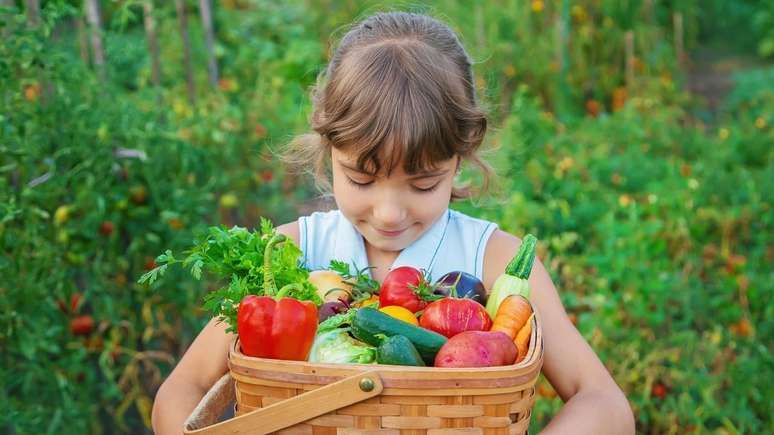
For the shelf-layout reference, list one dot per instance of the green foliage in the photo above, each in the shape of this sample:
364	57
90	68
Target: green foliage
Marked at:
363	286
720	20
655	227
239	255
763	22
658	247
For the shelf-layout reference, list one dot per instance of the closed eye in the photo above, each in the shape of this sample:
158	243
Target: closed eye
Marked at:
426	189
364	185
359	185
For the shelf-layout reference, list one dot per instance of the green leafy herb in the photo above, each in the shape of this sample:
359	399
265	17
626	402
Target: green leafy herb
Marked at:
363	286
237	255
336	321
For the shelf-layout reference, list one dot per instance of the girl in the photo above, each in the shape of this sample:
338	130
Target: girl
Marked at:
395	115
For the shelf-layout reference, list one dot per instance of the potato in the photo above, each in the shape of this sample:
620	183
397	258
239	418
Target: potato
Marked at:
477	349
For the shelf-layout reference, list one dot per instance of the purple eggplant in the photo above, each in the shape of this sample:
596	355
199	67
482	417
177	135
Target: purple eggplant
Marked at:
463	284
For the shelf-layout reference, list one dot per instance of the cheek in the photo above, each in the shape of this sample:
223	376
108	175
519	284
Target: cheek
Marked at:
428	207
438	203
349	199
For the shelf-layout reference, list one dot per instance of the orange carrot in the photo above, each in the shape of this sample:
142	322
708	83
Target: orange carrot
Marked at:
522	339
512	315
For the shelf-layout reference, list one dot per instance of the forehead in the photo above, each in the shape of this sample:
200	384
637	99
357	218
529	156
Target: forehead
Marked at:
389	164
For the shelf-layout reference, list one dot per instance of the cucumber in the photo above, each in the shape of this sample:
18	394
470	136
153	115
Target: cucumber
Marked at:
369	325
398	351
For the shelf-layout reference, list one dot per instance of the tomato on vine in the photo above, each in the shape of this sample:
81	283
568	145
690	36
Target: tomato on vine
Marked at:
407	287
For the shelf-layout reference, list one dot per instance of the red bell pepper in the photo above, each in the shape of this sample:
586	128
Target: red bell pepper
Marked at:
280	329
273	326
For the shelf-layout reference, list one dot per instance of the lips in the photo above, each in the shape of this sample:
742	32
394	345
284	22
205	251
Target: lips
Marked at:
390	233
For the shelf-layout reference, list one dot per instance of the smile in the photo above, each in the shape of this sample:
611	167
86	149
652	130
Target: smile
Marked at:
390	233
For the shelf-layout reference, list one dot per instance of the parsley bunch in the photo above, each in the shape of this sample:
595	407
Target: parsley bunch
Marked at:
363	286
237	255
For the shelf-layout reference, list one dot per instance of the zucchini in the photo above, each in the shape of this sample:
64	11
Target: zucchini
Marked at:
515	279
398	351
369	325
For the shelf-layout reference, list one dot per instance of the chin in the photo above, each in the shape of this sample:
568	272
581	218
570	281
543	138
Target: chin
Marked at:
389	244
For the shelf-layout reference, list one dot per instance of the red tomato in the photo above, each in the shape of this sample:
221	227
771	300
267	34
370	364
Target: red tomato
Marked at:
106	228
450	316
406	287
82	325
658	390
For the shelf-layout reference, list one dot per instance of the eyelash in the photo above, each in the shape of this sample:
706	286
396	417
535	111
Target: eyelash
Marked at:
358	185
427	190
365	185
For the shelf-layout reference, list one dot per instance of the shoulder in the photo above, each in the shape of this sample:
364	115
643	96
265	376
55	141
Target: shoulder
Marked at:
470	237
290	229
473	228
502	242
500	248
317	220
467	220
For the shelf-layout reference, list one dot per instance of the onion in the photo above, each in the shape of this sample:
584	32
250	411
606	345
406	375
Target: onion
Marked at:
330	286
332	308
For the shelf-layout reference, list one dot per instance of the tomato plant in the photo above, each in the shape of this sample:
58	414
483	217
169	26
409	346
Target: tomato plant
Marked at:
654	212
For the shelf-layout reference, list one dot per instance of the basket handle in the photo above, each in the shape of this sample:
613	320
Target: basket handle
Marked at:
303	407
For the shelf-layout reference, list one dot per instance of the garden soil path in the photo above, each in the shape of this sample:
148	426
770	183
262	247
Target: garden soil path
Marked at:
709	75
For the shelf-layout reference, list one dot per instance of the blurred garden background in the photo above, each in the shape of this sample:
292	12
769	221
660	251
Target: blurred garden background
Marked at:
633	137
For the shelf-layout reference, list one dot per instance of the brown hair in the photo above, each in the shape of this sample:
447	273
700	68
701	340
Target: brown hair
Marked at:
399	87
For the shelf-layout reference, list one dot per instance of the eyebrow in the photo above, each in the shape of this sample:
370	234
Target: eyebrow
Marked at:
413	177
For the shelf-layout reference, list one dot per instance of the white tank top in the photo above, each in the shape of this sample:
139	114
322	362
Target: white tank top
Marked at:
454	242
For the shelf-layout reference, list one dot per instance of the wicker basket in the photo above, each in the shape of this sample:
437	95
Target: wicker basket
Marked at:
293	397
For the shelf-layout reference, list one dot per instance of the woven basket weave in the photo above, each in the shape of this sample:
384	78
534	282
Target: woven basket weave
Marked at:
295	397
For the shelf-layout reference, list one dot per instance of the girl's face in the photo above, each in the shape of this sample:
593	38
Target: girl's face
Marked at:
391	212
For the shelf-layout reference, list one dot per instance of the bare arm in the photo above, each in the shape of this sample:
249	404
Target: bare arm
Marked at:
202	365
205	361
594	404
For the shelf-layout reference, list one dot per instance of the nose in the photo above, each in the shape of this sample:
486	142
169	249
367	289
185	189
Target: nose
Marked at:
389	211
